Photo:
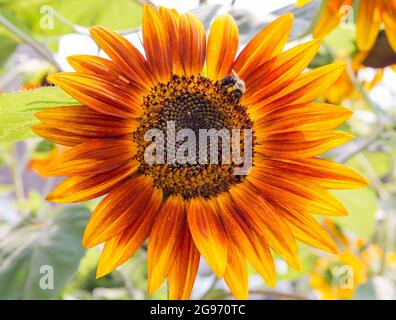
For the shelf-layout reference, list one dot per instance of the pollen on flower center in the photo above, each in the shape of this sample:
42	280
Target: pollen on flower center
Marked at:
194	103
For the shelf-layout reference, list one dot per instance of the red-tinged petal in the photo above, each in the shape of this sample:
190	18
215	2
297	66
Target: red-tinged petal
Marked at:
92	157
118	210
59	136
83	188
114	98
265	45
222	47
183	270
305	88
171	21
325	173
274	75
97	66
306	117
126	57
295	193
300	144
236	275
164	241
208	233
192	44
257	252
268	225
157	44
84	121
122	246
306	229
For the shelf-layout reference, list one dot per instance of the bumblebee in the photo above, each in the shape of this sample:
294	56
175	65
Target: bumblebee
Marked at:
234	85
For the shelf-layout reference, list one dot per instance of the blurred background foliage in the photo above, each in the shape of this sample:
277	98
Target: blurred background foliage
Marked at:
35	38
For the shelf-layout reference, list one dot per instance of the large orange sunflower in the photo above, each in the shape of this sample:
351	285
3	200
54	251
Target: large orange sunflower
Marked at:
188	210
371	15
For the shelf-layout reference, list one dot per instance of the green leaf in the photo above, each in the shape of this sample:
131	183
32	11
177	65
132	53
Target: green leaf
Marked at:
17	110
119	14
7	47
381	162
29	252
362	206
342	40
8	41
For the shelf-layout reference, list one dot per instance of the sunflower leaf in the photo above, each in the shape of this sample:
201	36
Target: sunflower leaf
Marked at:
362	207
37	261
39	17
17	110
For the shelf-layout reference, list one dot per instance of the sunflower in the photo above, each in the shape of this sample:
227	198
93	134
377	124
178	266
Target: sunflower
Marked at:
338	277
190	210
371	15
343	88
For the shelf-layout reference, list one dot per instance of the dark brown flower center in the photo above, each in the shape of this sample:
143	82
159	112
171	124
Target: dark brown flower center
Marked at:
198	104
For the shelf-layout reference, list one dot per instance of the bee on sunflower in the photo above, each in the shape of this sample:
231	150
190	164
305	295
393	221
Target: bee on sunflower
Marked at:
193	210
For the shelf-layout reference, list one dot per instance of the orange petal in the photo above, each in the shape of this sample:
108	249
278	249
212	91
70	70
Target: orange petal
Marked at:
164	241
83	188
171	21
118	210
300	144
256	251
157	44
97	66
306	229
183	270
86	122
325	173
306	117
236	275
329	18
114	98
279	71
389	17
92	157
295	192
305	88
266	44
192	44
268	225
59	136
122	246
125	56
368	24
208	233
222	47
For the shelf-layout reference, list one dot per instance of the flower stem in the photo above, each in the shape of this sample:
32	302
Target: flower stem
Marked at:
358	86
84	30
37	46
